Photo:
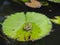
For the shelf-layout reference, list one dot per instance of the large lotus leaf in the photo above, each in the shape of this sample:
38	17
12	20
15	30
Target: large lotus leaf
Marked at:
57	1
32	26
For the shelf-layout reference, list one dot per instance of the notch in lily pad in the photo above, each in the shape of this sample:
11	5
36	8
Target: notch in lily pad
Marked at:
26	27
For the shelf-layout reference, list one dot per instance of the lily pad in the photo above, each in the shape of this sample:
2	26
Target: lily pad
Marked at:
29	27
56	20
56	1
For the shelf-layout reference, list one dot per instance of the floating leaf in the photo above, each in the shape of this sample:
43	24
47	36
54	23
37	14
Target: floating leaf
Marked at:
25	0
44	3
33	4
56	1
32	26
19	1
56	20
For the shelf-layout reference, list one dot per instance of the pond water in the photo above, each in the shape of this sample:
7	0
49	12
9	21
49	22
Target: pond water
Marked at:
8	7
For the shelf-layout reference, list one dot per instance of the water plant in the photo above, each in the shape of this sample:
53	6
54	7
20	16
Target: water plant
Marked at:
56	1
56	20
27	27
36	3
30	26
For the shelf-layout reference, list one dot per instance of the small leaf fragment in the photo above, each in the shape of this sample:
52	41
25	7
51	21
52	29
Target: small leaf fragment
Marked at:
44	3
25	0
56	20
56	1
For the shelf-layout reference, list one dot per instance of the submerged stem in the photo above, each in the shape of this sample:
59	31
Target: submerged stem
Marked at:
4	38
28	25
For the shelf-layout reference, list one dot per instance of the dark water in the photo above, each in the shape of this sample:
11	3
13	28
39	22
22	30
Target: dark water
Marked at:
9	7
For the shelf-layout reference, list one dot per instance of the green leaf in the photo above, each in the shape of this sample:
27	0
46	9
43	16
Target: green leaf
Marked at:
45	3
19	1
56	1
25	0
32	26
0	23
56	20
13	23
41	21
